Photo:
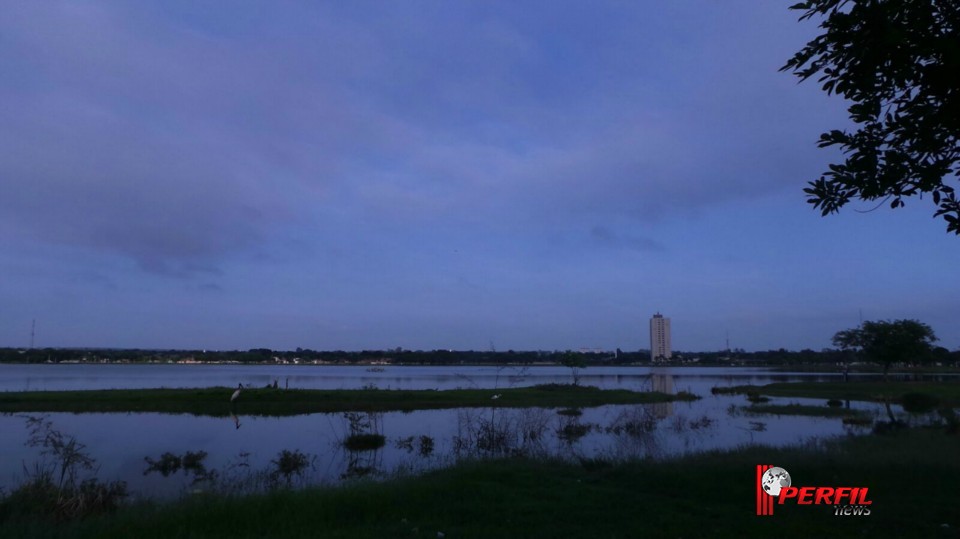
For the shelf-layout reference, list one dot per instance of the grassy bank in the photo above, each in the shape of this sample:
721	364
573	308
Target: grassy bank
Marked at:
912	477
278	402
877	391
802	410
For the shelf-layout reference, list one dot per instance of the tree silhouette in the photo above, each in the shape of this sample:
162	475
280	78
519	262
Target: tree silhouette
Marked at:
898	63
888	342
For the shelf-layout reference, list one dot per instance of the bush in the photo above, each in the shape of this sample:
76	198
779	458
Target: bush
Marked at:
289	463
919	403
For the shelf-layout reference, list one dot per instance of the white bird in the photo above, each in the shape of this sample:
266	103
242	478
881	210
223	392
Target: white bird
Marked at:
495	397
236	393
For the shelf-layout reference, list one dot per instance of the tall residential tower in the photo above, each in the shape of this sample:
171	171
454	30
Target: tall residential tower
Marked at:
659	338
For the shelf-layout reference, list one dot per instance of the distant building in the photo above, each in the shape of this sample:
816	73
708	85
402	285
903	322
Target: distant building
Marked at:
660	338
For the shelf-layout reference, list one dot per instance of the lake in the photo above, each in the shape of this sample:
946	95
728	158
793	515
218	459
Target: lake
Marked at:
244	452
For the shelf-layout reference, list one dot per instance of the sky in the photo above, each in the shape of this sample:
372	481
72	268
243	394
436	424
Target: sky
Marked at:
535	175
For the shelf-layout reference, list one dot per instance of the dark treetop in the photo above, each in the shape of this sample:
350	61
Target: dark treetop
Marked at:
898	63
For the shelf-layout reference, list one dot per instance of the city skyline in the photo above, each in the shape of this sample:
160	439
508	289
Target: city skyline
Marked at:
433	175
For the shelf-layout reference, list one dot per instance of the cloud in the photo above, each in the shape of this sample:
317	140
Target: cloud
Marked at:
180	137
607	238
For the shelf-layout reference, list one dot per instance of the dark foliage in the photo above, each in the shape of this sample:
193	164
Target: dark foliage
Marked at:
898	64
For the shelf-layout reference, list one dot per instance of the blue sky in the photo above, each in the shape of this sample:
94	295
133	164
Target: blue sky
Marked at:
350	175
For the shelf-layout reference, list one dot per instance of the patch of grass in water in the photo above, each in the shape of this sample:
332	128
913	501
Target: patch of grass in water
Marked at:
364	442
858	420
802	409
873	390
280	402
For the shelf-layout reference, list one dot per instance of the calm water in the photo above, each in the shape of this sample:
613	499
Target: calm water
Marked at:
75	376
240	449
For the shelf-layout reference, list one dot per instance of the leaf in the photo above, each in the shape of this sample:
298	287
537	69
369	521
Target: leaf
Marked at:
896	64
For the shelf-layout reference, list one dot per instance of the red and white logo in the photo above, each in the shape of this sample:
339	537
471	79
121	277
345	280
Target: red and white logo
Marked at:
774	483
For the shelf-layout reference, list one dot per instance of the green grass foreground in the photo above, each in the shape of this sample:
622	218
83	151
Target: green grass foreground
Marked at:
876	391
280	402
911	476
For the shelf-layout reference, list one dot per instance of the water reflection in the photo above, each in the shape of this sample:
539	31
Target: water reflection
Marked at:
191	463
104	376
186	453
364	443
312	449
663	383
362	463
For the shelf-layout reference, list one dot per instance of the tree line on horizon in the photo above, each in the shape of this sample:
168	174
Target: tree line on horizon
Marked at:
399	356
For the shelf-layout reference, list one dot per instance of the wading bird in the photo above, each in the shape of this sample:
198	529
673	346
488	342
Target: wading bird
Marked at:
236	393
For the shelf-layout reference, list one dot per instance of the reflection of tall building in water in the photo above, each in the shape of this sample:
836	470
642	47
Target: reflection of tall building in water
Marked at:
663	383
659	338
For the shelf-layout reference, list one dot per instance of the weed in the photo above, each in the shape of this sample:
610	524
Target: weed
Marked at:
636	422
289	463
405	443
573	431
426	446
364	428
54	488
702	423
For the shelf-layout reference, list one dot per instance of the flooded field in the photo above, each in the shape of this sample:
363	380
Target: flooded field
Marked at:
162	455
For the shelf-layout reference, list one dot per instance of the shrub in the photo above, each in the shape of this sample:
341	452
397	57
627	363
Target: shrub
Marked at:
289	463
919	403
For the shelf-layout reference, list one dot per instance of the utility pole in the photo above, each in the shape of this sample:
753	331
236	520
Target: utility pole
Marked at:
33	332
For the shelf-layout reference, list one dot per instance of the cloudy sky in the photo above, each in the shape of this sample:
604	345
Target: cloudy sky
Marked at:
433	174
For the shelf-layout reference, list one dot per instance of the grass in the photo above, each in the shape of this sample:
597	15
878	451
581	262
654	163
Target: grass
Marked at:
802	409
874	368
948	393
912	477
364	442
279	402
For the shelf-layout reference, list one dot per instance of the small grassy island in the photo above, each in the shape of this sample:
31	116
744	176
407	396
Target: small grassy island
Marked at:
216	401
946	393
